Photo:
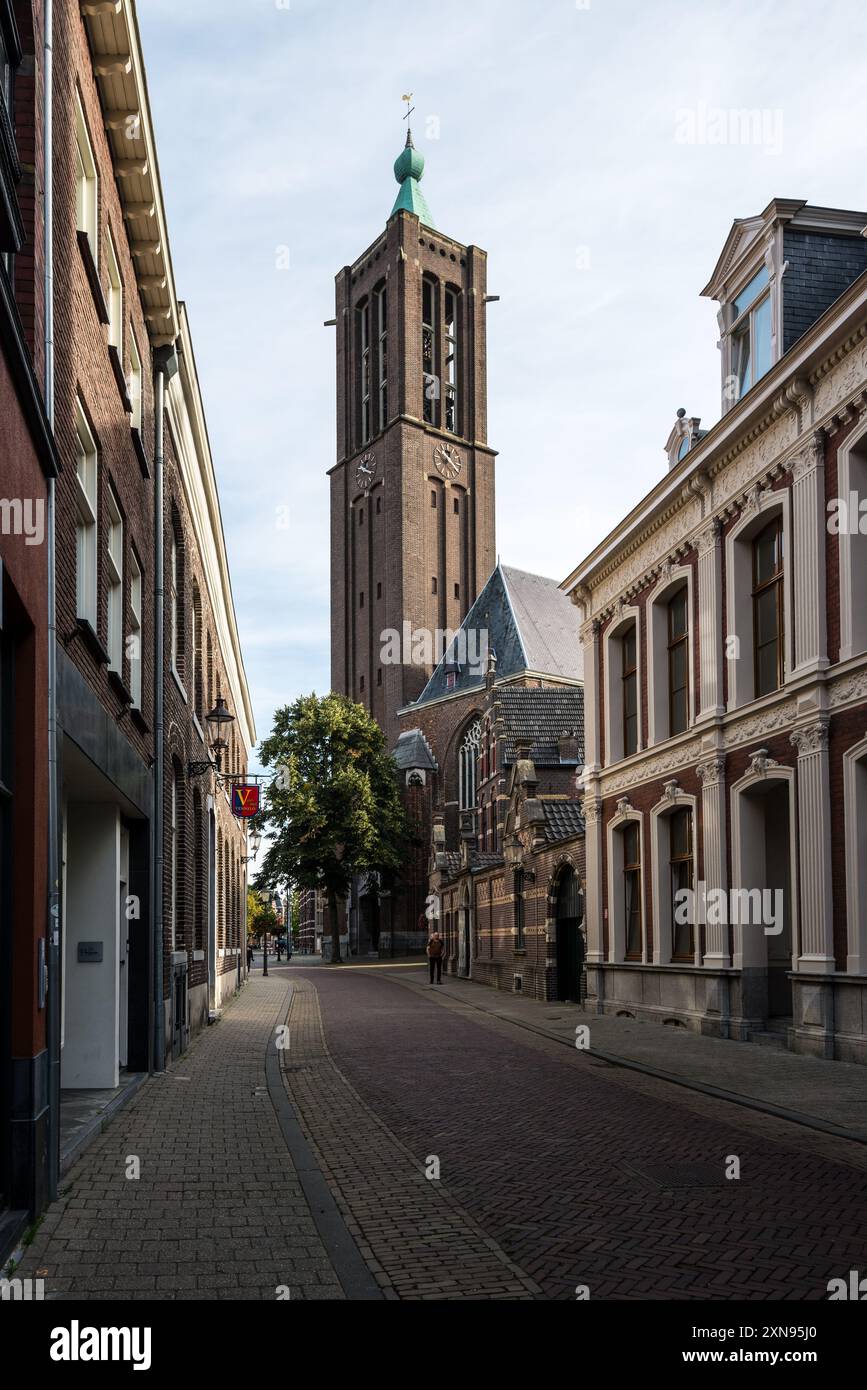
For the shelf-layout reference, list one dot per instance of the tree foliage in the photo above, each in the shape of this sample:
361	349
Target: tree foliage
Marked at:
341	813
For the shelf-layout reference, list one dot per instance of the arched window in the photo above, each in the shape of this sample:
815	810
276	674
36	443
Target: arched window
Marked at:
176	595
196	653
177	858
468	762
199	872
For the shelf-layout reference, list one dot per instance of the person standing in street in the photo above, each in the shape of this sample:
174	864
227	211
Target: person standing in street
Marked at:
435	952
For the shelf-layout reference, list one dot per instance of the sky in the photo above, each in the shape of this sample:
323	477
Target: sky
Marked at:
598	153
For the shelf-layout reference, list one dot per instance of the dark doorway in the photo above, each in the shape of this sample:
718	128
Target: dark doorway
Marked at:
370	922
569	916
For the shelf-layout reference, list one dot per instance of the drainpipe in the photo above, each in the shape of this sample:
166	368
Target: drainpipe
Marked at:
52	1020
165	367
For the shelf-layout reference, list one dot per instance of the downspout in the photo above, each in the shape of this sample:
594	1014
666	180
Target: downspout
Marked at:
165	367
53	1001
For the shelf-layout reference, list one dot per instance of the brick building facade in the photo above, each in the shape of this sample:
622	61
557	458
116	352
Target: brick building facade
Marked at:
28	466
725	651
141	939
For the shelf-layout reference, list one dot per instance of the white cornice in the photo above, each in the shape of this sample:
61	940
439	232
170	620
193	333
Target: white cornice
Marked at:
189	430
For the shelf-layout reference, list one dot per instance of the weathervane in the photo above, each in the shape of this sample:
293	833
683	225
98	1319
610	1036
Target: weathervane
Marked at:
407	97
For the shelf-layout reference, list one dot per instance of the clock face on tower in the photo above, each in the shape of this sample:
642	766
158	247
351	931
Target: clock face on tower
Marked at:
366	470
447	460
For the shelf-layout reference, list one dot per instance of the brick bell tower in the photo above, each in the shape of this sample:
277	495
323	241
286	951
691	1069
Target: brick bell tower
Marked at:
412	492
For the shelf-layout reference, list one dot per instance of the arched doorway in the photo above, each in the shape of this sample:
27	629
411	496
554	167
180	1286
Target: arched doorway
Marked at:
569	928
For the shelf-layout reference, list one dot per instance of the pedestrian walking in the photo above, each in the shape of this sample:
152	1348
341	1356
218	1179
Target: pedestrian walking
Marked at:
249	956
435	952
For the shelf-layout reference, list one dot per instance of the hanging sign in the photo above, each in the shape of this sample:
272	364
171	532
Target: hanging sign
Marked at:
245	799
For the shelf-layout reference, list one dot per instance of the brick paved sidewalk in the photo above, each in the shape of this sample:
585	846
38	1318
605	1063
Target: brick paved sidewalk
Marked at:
413	1234
218	1211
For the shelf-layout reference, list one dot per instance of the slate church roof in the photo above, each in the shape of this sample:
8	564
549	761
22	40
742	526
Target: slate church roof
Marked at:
526	620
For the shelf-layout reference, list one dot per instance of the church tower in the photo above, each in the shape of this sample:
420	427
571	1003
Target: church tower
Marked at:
412	492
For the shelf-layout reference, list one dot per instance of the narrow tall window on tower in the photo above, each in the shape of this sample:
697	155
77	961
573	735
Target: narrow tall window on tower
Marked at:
364	360
451	341
429	351
381	303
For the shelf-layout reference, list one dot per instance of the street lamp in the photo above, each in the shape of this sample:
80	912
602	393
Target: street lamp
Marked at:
217	720
254	842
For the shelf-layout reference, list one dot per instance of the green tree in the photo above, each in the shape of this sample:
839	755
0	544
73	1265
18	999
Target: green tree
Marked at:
341	813
260	914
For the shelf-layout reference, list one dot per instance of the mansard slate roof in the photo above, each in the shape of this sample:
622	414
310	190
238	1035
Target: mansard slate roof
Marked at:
542	716
531	625
414	751
563	820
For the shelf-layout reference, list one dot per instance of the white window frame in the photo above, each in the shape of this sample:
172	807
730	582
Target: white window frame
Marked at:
134	383
855	824
852	544
660	885
657	654
616	900
114	598
729	322
87	505
86	183
613	683
739	595
135	632
114	297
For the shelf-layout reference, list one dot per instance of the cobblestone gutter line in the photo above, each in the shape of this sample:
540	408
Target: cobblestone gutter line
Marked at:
415	1237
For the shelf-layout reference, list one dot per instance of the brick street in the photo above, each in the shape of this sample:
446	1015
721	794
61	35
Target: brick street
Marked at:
556	1169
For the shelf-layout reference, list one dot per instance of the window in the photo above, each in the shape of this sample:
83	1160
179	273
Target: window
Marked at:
379	675
379	591
433	584
378	505
632	890
768	643
174	859
361	685
134	384
457	591
7	74
199	871
457	507
519	909
86	507
135	633
86	182
361	599
430	351
433	497
381	309
680	861
196	650
114	625
114	298
361	516
629	688
678	663
451	343
364	360
751	333
174	601
468	761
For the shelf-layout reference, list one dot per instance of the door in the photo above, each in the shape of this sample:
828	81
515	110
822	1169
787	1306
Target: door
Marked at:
570	938
123	954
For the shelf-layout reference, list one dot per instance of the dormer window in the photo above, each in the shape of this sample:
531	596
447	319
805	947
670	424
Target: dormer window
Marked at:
750	335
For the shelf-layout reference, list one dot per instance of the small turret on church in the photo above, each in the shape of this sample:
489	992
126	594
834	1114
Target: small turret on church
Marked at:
412	492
